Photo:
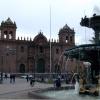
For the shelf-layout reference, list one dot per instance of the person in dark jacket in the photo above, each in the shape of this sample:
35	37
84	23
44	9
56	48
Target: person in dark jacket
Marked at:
27	78
32	80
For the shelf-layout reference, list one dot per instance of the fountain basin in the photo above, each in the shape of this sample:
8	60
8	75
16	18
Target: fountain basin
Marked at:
67	93
40	94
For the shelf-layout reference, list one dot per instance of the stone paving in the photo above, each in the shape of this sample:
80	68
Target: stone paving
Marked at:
19	90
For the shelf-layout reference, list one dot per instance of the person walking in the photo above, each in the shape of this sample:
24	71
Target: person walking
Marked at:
32	80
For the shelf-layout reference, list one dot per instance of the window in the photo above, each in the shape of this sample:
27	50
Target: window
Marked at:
41	49
5	34
22	49
66	39
10	35
57	51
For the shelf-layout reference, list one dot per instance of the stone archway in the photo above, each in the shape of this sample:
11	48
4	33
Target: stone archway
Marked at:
40	66
22	68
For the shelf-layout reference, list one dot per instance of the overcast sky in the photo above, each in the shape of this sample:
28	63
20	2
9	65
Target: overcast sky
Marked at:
31	16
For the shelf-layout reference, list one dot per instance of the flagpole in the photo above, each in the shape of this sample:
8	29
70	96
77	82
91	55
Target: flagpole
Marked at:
50	39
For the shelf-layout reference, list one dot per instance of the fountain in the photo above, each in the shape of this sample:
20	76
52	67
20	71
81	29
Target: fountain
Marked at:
76	87
90	55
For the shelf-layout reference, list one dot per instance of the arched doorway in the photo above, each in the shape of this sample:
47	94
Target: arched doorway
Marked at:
22	68
40	66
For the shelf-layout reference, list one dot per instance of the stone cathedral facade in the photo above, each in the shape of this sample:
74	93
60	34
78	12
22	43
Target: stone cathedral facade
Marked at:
22	55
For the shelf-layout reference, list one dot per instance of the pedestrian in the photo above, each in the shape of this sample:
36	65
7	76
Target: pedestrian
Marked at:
27	78
1	77
6	76
14	78
11	78
32	80
57	83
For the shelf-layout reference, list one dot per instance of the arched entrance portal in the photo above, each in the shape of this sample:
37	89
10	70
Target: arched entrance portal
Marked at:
22	68
40	66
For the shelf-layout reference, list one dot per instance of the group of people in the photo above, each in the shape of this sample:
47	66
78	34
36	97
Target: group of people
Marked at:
31	79
5	76
12	78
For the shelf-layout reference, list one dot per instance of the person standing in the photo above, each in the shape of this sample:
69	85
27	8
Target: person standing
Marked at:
11	78
6	76
27	78
14	78
1	77
32	80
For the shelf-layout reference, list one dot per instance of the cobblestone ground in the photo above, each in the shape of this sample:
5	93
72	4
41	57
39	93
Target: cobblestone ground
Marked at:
18	90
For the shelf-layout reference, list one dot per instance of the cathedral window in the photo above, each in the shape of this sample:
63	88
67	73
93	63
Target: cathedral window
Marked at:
66	39
10	35
22	49
5	34
41	49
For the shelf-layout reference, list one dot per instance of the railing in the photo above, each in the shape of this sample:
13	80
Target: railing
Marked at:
44	75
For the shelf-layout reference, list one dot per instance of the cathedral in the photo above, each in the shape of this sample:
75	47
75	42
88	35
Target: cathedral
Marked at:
23	55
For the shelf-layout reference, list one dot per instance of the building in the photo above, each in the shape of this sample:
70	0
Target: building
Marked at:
22	56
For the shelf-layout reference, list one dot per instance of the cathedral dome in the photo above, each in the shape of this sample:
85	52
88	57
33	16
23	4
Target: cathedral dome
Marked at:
40	37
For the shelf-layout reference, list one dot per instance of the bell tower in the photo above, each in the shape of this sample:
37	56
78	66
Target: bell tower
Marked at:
8	30
66	35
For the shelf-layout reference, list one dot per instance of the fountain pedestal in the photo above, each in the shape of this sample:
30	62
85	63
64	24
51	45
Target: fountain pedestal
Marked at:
88	72
76	87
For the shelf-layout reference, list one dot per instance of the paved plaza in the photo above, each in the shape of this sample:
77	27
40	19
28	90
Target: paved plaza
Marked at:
19	90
